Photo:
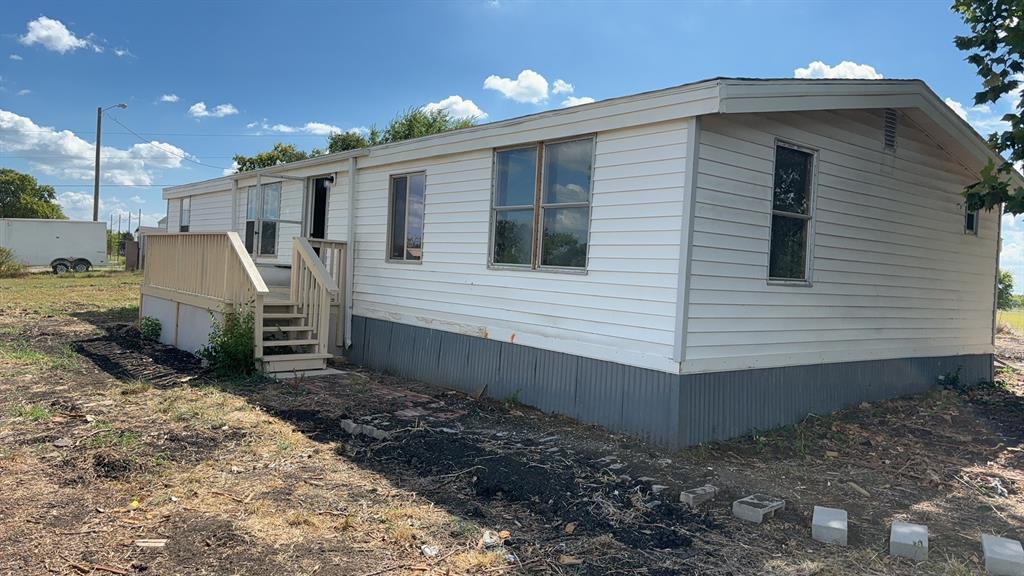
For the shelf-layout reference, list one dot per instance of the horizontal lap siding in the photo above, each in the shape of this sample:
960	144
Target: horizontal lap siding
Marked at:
893	273
211	212
337	209
173	213
623	309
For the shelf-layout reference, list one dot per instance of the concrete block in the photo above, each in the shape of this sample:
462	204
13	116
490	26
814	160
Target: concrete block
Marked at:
757	507
829	525
1003	556
909	541
697	496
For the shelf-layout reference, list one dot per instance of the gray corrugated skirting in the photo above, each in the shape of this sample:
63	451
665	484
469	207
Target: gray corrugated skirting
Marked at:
667	409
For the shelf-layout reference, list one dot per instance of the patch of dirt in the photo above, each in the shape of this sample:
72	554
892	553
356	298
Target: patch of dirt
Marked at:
358	474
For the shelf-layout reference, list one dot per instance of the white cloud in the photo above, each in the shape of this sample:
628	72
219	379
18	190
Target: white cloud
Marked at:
169	98
1012	255
957	107
54	35
985	118
576	101
845	69
315	128
321	129
70	157
529	86
199	110
122	52
24	92
137	199
562	87
15	57
78	206
230	171
457	107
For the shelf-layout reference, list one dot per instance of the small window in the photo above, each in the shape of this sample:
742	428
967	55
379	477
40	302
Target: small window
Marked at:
405	219
185	214
542	220
791	213
971	222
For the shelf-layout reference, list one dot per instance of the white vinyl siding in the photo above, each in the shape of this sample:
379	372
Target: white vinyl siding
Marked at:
893	276
337	208
173	215
211	212
623	309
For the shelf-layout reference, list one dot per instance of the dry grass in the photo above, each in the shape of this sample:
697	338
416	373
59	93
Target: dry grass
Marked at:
236	489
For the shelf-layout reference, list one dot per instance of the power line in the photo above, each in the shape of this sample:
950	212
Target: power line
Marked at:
112	185
157	146
195	134
39	155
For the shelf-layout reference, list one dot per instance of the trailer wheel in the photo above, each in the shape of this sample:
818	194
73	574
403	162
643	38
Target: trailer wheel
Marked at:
82	265
60	266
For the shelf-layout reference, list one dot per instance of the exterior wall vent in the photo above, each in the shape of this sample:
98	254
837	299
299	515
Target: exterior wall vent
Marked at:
891	123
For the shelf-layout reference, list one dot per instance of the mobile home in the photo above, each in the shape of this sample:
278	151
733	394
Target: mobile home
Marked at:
684	265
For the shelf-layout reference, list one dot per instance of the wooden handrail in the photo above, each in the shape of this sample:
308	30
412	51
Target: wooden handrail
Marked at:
312	291
333	253
211	269
255	278
315	264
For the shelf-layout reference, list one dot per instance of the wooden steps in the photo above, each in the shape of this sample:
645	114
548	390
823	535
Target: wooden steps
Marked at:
289	344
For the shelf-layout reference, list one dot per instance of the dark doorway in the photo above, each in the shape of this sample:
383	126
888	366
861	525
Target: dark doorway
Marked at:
321	189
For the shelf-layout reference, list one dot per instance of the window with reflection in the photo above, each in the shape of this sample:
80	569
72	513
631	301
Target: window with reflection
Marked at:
541	205
791	213
405	220
262	216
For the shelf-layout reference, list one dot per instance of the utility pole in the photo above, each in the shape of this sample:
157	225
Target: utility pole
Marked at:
129	222
96	169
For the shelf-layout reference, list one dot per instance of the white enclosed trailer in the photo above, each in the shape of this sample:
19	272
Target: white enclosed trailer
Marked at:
62	245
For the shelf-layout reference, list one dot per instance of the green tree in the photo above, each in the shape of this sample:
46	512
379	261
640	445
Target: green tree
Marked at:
1004	291
281	153
995	47
411	123
21	196
340	142
417	122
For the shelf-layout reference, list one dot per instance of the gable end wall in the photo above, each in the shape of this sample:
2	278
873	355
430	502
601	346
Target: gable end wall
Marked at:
893	274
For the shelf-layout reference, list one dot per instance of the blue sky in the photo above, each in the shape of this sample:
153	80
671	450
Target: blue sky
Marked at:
206	80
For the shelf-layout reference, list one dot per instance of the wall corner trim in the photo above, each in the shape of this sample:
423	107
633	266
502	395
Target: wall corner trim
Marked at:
686	239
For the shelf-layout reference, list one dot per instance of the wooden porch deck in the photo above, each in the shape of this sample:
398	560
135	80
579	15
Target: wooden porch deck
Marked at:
298	327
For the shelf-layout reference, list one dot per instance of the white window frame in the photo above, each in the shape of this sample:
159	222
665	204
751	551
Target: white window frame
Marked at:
185	214
391	214
538	206
812	192
260	219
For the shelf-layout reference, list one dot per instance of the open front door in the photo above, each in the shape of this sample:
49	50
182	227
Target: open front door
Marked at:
318	207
